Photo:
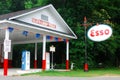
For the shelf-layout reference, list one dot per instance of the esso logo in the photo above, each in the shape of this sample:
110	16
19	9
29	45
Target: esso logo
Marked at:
99	32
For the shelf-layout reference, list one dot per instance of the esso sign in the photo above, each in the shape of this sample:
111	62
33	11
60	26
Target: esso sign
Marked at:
99	32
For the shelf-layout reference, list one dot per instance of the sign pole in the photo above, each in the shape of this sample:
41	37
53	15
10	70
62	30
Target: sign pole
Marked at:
52	49
52	61
86	56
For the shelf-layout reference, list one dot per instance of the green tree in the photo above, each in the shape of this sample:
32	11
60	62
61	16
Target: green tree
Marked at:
73	12
96	12
5	6
34	3
17	5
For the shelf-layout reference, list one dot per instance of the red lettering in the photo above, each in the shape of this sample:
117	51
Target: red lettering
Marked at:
97	33
92	33
33	20
106	31
101	32
40	22
44	23
52	25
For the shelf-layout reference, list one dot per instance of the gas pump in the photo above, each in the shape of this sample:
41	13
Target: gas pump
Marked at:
25	60
47	61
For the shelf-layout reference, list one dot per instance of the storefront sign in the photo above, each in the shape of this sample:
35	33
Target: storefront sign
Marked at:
99	32
44	23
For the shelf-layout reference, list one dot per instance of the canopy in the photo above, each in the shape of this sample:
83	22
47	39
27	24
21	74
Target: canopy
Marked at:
29	26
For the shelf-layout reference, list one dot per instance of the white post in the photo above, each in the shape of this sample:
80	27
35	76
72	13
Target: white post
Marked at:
35	61
67	55
52	61
0	55
10	57
44	53
6	54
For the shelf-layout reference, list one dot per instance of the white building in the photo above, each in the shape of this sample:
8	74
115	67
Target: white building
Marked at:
43	24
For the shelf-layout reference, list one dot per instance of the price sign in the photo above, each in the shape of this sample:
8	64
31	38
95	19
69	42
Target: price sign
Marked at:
99	32
7	45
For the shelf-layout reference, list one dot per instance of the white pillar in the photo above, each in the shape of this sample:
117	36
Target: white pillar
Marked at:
10	57
6	54
35	61
2	52
43	54
0	55
67	55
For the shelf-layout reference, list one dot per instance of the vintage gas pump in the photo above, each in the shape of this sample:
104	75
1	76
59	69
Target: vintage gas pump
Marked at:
25	60
47	61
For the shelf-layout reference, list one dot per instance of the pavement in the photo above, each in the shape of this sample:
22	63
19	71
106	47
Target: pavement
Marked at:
18	71
57	78
14	74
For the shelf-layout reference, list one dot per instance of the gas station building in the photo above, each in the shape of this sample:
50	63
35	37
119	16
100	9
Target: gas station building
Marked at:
42	24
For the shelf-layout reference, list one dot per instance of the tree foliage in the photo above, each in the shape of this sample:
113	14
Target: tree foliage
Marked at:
73	12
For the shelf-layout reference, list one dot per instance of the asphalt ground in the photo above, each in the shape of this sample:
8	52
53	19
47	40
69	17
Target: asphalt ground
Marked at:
58	78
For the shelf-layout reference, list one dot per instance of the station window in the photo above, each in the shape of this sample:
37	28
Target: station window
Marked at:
44	17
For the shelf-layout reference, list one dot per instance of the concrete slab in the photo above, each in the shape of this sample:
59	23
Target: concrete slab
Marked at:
18	71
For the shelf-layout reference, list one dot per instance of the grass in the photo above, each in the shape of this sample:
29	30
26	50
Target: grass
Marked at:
80	73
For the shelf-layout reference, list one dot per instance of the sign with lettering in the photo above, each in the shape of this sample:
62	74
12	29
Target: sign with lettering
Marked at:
46	20
99	32
52	48
44	23
7	45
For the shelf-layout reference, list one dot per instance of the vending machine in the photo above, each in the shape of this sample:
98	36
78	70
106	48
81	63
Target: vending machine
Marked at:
25	60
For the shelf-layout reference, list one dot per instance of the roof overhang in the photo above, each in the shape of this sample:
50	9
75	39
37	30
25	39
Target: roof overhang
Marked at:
21	23
17	36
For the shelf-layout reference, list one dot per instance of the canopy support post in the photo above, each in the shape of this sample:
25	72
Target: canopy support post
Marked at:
67	55
44	53
35	61
6	54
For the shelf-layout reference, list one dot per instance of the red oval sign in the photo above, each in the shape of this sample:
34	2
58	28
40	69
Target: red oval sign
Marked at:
99	32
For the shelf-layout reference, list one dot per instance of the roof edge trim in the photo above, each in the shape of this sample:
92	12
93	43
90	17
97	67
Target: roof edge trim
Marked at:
30	12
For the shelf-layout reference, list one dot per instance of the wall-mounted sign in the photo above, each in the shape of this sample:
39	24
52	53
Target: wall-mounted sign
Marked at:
99	32
7	45
44	23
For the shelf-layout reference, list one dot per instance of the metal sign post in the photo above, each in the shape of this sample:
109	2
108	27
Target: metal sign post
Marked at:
86	55
52	49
